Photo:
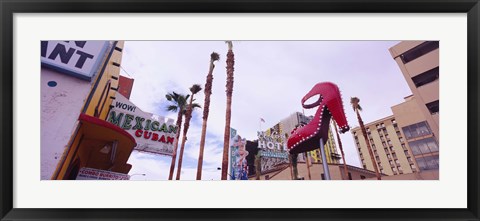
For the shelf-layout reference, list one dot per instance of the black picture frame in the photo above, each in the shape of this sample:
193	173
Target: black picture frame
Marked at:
10	7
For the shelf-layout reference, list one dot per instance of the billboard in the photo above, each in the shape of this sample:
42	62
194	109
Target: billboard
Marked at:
80	59
154	134
238	156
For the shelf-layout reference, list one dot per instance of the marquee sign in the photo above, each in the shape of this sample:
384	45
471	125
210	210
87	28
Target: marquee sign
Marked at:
154	134
80	59
272	145
95	174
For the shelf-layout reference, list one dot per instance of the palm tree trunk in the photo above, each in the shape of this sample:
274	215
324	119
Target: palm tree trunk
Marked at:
345	169
226	138
258	169
174	156
294	159
364	132
206	109
186	125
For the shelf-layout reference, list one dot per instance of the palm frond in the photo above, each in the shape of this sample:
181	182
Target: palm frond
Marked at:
355	102
195	88
215	56
172	108
196	105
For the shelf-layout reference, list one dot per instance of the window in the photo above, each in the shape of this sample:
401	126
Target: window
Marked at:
406	152
424	146
393	121
432	162
394	155
433	107
362	177
418	51
416	130
350	176
422	164
426	77
423	128
323	176
389	157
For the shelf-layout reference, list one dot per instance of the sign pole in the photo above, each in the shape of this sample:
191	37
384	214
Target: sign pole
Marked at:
324	161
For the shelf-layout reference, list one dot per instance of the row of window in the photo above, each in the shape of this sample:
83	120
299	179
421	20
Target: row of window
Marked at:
419	50
423	146
433	107
416	130
426	77
428	163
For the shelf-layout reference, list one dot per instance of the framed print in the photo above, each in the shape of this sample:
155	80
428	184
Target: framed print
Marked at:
239	110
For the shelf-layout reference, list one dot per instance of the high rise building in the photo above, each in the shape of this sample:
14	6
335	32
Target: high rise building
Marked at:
419	63
419	115
407	141
389	147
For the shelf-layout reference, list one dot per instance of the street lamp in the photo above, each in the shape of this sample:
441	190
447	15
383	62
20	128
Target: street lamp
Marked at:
219	168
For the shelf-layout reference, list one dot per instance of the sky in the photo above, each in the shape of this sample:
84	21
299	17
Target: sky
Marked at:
270	79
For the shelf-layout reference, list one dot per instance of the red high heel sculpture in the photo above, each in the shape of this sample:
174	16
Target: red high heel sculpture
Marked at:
308	137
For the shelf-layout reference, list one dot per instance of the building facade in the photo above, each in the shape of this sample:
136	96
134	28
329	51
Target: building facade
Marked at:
407	141
389	147
419	135
79	82
419	63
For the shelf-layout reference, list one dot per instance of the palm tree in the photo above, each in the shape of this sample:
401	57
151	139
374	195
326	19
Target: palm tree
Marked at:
206	108
179	103
229	86
357	108
188	116
341	149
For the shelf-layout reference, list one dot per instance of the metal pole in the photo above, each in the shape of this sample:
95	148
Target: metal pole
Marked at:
324	161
